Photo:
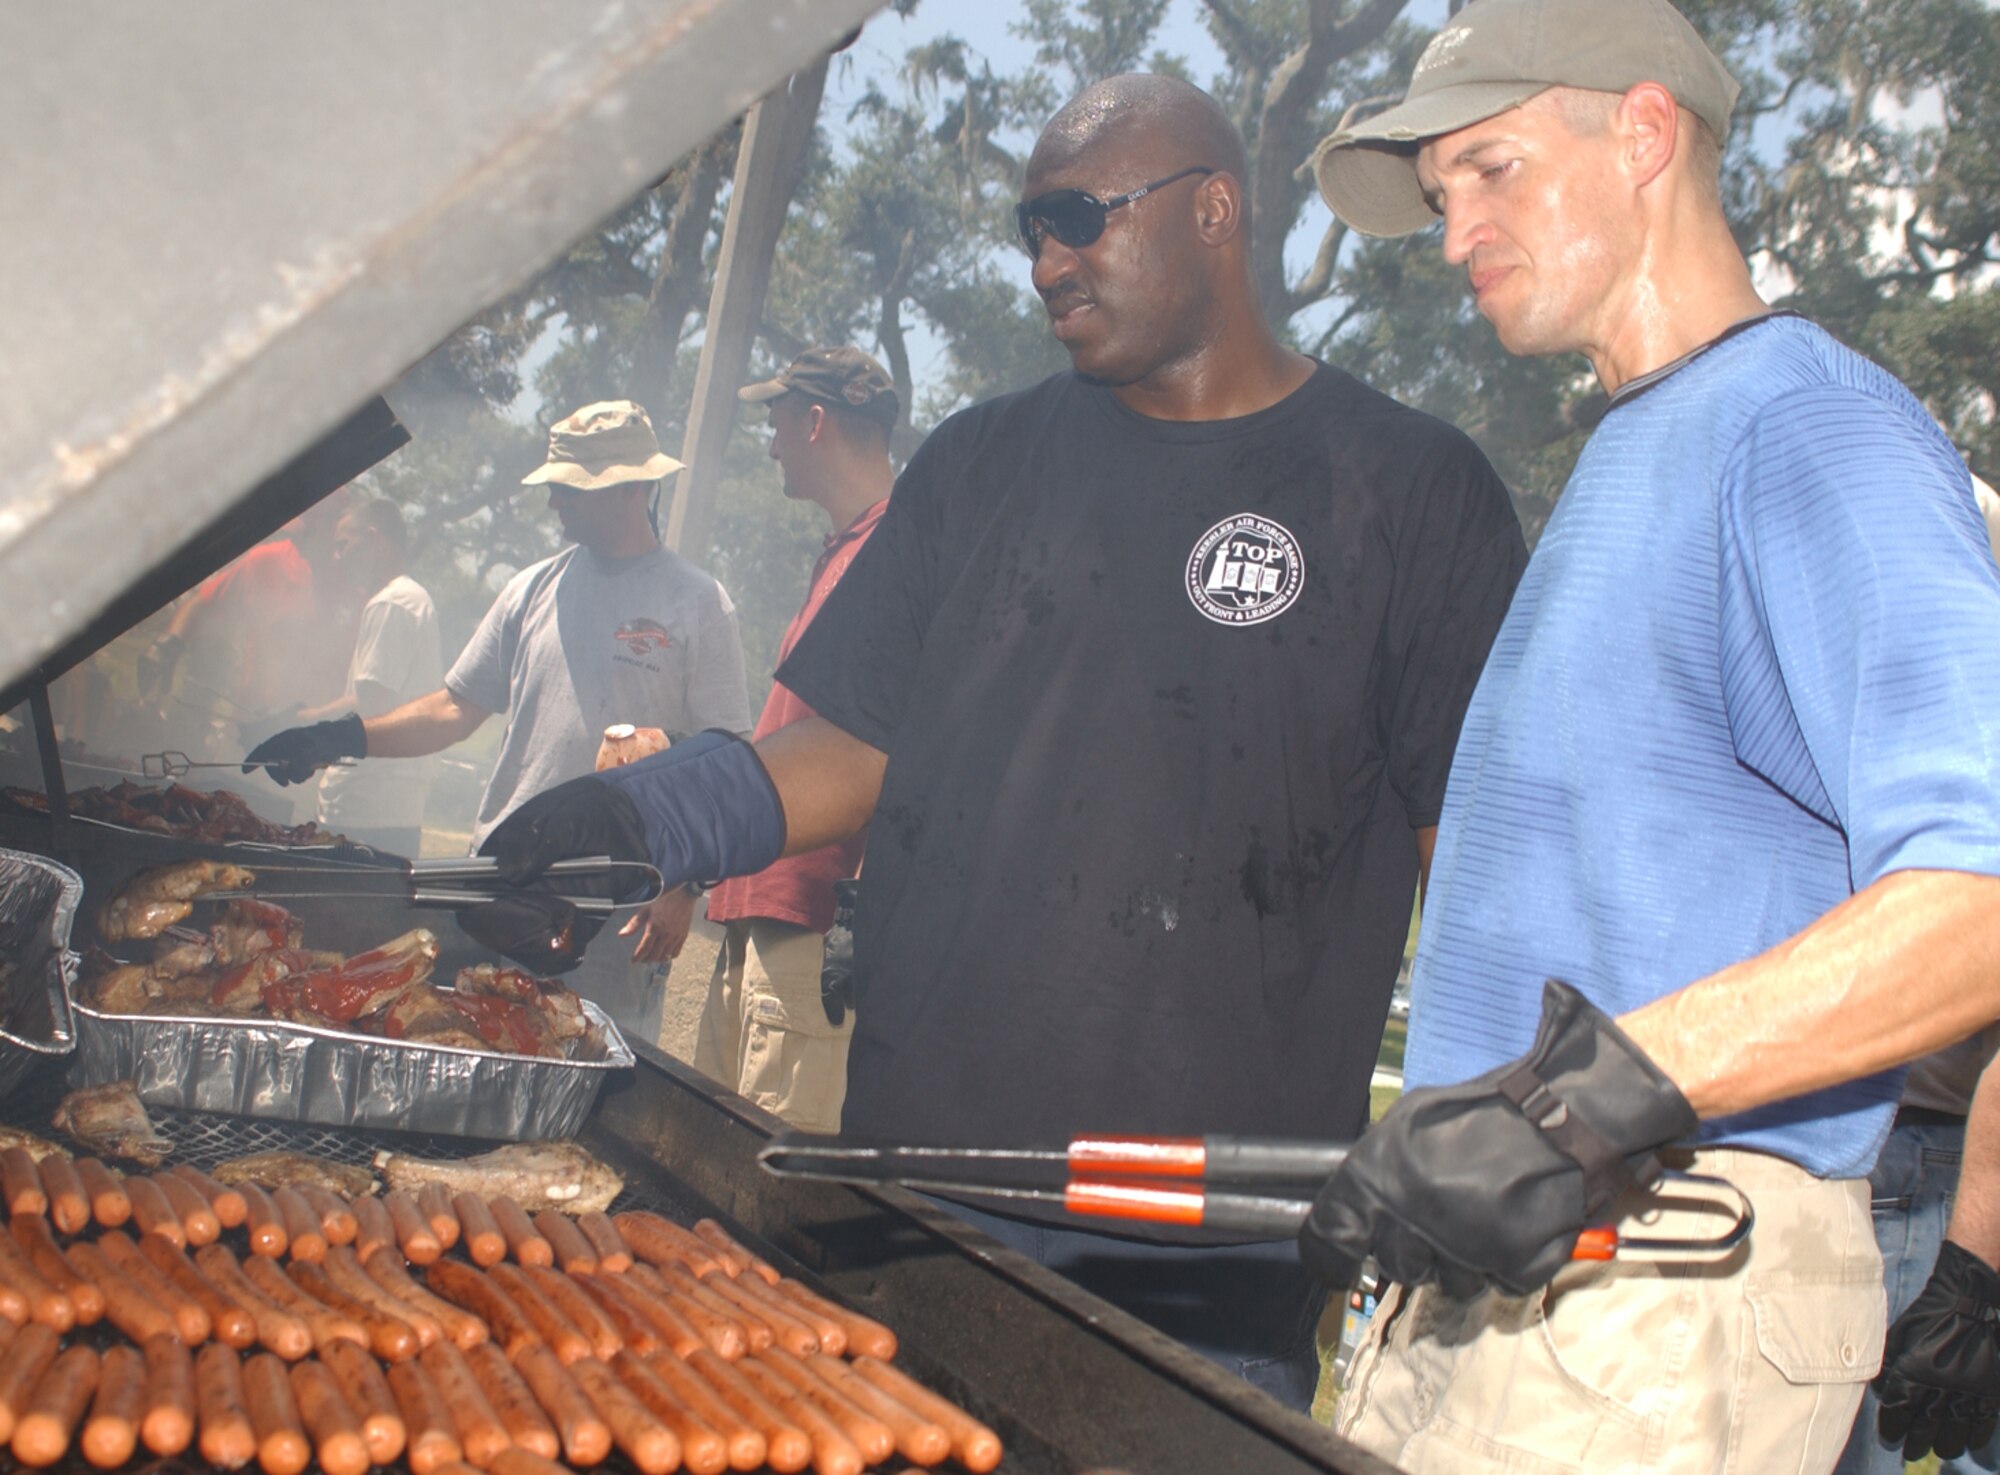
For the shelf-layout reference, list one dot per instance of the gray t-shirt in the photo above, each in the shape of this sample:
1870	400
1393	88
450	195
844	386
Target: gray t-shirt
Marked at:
579	642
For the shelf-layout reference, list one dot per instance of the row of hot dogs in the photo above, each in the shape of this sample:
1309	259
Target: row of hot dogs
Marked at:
554	1338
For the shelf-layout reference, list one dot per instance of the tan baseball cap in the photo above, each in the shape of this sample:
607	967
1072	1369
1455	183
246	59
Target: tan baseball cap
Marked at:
608	444
1495	55
834	376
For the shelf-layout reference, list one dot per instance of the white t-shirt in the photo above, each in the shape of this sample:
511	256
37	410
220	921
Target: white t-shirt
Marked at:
576	643
396	650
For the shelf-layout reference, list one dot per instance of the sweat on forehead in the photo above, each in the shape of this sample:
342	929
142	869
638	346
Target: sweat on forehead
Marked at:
1140	117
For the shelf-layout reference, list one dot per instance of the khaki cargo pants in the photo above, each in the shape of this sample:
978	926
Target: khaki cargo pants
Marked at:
763	1031
1754	1365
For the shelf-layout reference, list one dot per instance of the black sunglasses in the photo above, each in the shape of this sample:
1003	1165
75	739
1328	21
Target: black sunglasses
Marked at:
1075	217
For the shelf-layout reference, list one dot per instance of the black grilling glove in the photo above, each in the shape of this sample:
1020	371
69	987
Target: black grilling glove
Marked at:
836	969
1489	1183
1940	1378
541	932
294	755
583	817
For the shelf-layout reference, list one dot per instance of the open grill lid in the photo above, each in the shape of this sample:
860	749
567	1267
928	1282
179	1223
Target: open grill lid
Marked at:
217	239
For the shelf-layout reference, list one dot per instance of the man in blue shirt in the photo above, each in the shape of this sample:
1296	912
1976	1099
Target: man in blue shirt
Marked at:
1732	774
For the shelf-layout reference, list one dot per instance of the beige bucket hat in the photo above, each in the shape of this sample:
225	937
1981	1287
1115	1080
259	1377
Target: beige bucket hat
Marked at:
607	444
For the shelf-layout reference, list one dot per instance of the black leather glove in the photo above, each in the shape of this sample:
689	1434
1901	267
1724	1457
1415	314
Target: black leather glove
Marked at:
541	932
1940	1378
1490	1182
836	970
156	667
585	816
296	754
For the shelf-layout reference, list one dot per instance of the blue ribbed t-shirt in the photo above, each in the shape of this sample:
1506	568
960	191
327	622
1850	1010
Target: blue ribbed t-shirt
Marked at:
1753	666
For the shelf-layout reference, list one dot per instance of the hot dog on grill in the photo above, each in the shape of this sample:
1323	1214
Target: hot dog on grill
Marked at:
222	1415
282	1445
513	1401
430	1438
335	1432
111	1431
585	1437
279	1329
368	1394
167	1426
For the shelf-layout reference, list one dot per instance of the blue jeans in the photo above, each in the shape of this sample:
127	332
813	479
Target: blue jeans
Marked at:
1251	1309
1912	1186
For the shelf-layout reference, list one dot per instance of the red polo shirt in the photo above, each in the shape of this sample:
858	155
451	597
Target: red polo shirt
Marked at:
799	888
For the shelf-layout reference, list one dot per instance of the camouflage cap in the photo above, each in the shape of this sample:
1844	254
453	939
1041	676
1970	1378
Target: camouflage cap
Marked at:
843	377
1495	55
607	444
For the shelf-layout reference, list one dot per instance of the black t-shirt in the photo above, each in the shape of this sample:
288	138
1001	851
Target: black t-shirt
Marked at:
1163	705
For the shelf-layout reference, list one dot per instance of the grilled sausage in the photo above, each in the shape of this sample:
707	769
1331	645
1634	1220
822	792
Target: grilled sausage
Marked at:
151	1212
282	1446
325	1324
553	1327
719	1323
279	1329
31	1233
918	1439
21	1182
368	1395
387	1270
573	1252
630	1327
673	1329
480	1433
513	1402
787	1447
519	1461
336	1433
22	1365
703	1449
430	1440
231	1323
973	1445
614	1256
390	1337
645	1441
167	1426
471	1289
125	1305
227	1204
345	1271
870	1435
585	1437
787	1331
566	1295
660	1241
337	1224
419	1242
44	1302
198	1218
110	1204
227	1437
524	1242
733	1258
742	1443
302	1232
865	1337
191	1323
434	1203
69	1204
372	1228
111	1432
43	1434
483	1240
833	1452
268	1235
713	1234
829	1332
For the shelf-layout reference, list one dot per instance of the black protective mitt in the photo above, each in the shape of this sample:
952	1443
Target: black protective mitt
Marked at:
1940	1378
297	753
1490	1182
583	817
541	932
836	969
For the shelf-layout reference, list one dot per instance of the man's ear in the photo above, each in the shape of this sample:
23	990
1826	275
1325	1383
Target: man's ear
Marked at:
1218	208
815	422
1648	124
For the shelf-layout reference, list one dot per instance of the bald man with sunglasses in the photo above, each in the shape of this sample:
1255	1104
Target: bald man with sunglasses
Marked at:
1149	679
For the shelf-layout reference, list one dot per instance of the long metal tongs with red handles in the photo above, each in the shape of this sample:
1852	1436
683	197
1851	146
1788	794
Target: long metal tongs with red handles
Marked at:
1257	1186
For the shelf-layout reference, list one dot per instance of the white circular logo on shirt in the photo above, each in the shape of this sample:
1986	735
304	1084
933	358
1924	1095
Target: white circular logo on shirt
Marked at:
1245	570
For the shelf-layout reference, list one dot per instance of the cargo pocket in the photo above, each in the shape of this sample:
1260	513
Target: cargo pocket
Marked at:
1819	1326
794	1058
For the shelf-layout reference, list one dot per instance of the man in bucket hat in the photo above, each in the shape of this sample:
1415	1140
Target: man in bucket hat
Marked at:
1732	773
769	1030
614	628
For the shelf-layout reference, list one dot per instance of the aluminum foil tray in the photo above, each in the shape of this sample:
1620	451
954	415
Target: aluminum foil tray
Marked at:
38	901
302	1073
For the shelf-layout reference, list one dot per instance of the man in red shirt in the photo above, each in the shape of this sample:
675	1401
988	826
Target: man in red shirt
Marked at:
765	1031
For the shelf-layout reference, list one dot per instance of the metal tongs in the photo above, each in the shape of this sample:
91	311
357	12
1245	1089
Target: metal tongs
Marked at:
176	764
1259	1186
470	882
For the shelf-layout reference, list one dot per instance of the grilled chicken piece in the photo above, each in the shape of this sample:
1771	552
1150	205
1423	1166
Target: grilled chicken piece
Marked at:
178	951
297	1170
362	985
248	926
429	1016
125	989
537	1175
562	1009
155	899
38	1147
112	1122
